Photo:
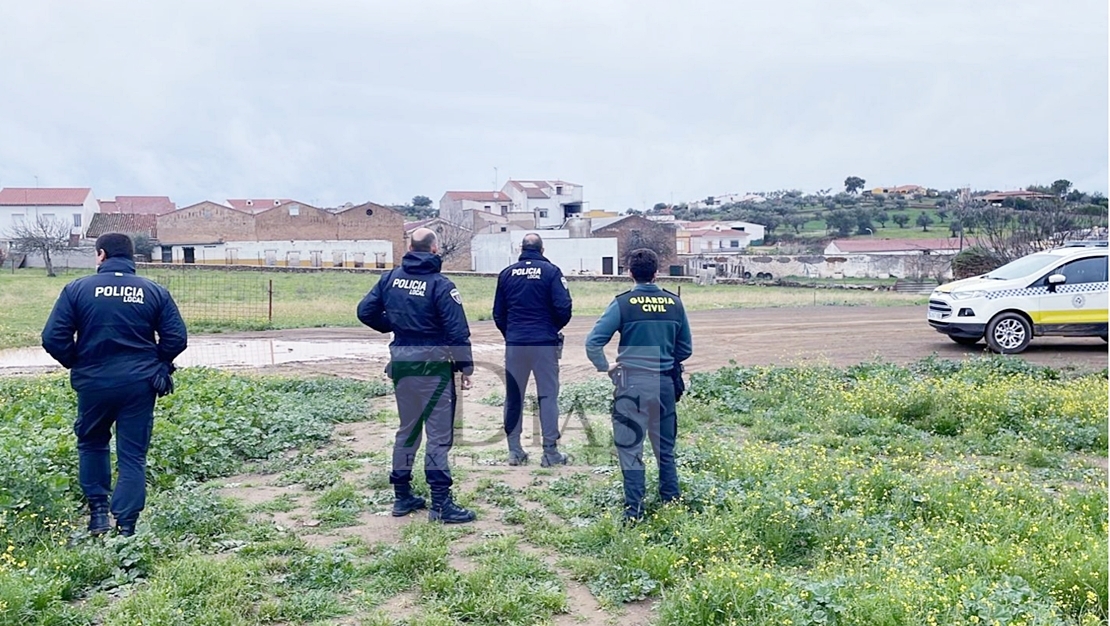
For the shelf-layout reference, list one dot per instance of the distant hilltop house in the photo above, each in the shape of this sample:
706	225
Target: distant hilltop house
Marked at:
73	205
529	204
724	199
901	190
281	233
998	197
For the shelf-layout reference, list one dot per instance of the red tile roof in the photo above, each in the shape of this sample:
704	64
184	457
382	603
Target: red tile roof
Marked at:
256	205
48	196
108	206
477	196
127	223
898	245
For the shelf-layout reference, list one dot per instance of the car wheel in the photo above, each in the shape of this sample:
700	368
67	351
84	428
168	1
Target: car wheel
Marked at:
966	341
1009	333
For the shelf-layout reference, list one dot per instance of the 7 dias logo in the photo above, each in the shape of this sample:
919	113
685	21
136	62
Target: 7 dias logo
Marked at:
130	294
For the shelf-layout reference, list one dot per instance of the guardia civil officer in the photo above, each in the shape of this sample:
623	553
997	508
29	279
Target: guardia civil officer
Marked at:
654	341
531	305
118	334
431	341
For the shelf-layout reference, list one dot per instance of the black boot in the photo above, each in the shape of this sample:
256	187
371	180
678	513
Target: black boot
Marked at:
552	456
446	511
404	502
517	455
98	517
125	529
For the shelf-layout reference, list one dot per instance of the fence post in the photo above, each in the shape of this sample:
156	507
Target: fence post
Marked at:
270	293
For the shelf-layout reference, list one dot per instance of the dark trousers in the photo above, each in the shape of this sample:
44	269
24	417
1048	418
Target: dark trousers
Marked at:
520	363
131	408
644	403
425	394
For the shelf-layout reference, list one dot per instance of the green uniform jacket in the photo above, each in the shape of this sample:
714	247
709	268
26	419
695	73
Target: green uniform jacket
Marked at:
655	334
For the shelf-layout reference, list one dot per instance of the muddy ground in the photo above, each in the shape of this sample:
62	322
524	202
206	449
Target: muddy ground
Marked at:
808	335
838	336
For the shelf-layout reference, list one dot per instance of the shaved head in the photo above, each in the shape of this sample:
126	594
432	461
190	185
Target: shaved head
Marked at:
532	241
423	240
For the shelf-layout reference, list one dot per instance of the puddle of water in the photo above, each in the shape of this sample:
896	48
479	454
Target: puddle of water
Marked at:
238	353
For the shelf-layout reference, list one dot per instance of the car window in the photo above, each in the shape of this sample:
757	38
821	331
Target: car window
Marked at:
1023	267
1089	270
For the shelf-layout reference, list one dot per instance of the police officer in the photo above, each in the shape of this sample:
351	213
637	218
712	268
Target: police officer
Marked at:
531	305
654	341
118	334
431	341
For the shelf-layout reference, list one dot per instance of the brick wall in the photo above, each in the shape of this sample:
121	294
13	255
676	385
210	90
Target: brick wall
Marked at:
373	221
649	231
205	222
294	220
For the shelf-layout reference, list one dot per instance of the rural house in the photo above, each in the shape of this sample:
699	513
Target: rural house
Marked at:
289	233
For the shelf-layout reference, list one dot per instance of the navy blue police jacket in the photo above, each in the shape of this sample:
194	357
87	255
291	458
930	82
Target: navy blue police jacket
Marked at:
532	303
423	310
113	328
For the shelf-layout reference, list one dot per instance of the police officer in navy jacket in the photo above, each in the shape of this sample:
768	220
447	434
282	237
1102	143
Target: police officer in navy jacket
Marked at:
531	305
118	334
431	341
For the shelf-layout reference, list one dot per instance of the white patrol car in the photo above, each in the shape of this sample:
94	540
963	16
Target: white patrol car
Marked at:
1055	292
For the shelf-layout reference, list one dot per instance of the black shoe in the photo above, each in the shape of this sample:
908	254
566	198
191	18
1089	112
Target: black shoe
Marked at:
553	457
98	519
447	512
518	457
402	506
125	530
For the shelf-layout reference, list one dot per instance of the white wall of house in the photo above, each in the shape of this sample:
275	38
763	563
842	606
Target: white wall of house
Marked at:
77	216
493	252
548	212
319	253
454	210
725	241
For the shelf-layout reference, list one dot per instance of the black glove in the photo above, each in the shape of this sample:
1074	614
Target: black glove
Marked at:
162	380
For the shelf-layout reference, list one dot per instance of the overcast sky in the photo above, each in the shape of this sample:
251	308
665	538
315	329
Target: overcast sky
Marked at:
330	101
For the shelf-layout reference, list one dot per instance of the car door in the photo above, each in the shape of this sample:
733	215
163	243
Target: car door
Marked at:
1079	304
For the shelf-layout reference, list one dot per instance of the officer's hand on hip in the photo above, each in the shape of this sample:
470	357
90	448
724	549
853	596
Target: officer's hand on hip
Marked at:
465	382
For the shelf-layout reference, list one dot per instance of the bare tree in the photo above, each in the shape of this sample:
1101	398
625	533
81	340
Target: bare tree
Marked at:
1013	233
660	239
45	236
454	241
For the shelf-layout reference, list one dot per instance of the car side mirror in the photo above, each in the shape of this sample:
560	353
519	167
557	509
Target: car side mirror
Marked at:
1057	279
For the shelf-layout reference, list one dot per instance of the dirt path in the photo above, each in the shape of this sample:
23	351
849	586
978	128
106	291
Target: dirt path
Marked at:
807	335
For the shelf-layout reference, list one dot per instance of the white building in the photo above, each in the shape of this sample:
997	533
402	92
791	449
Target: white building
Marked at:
74	206
454	204
550	202
299	253
728	198
717	237
494	252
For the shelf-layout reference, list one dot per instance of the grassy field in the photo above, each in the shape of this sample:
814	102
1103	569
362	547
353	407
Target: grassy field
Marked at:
330	299
938	493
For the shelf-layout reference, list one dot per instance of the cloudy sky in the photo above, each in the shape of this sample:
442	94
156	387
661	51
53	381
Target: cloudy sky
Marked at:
332	101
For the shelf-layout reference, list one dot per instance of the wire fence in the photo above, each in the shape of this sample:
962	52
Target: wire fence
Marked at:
226	298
